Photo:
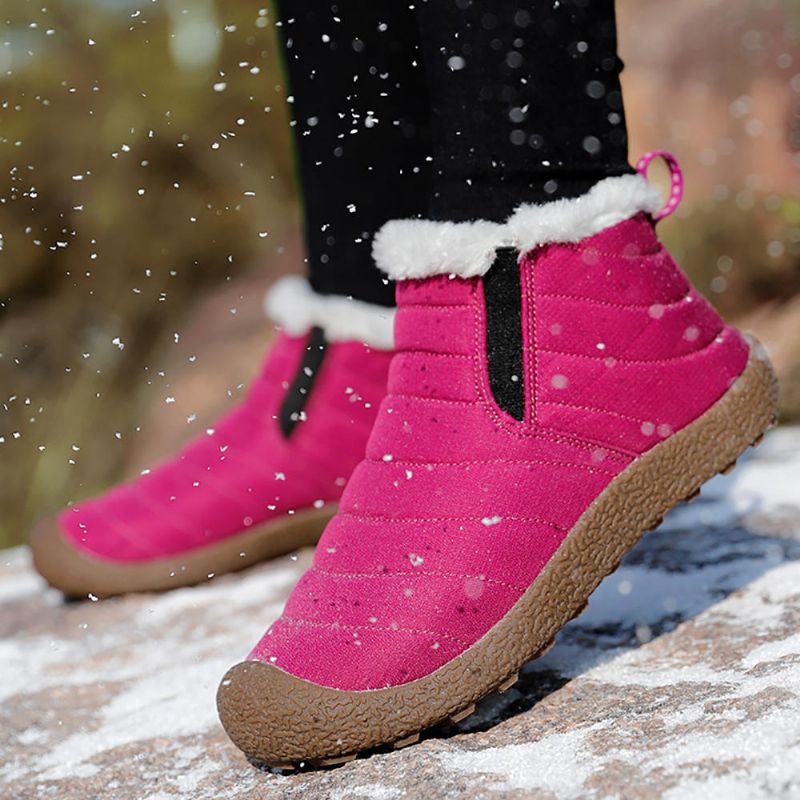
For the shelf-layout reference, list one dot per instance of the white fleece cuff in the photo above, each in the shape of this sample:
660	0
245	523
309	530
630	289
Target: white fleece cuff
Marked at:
296	307
410	248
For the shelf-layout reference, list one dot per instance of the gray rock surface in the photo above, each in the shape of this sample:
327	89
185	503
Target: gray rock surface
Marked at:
680	680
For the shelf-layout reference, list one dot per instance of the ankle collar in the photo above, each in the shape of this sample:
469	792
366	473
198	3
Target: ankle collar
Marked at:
292	304
419	248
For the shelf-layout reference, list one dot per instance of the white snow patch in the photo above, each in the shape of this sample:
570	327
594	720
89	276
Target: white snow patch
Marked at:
371	791
169	691
559	763
20	586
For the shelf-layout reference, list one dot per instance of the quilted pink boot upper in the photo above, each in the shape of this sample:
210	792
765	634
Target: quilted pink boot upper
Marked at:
244	471
458	506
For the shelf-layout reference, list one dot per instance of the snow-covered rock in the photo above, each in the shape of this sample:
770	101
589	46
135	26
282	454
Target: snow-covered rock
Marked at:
680	680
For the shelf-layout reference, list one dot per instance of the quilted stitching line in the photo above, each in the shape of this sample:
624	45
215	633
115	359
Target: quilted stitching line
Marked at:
618	454
578	407
578	247
438	354
492	462
438	306
622	360
346	626
424	574
610	304
424	399
379	518
533	342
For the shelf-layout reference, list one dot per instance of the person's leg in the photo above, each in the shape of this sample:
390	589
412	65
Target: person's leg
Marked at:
526	99
263	480
558	386
361	118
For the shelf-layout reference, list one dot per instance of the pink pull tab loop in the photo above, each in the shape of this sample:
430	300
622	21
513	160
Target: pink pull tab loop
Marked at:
676	178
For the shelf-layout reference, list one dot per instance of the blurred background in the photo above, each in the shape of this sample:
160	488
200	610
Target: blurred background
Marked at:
147	201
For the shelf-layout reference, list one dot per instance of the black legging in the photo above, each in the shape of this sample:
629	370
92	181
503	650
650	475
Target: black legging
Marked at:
518	102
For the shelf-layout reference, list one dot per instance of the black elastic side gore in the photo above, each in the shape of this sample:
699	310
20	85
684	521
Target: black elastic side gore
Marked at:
298	392
503	299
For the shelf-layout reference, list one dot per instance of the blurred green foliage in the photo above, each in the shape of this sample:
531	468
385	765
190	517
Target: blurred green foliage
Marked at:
144	155
145	159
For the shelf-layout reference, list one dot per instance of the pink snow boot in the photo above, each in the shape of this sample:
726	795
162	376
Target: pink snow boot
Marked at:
263	482
558	387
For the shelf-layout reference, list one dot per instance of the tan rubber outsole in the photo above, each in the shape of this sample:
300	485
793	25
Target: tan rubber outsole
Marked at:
281	721
78	574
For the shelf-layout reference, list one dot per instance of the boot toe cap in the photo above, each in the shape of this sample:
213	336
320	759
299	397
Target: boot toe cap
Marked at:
274	717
